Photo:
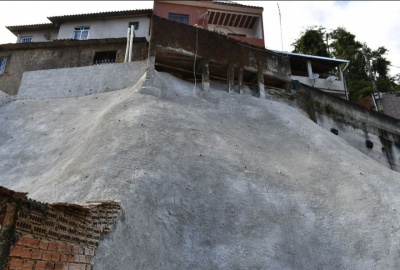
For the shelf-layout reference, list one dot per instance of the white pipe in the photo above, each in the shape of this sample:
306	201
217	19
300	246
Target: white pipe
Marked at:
373	99
127	46
347	64
130	45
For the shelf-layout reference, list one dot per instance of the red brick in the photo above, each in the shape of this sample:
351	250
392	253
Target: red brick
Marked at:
52	246
82	258
24	240
55	257
61	266
33	243
36	254
63	257
15	264
49	266
40	265
77	258
75	249
26	253
87	259
9	217
16	251
71	266
28	265
71	257
62	247
43	244
69	247
46	256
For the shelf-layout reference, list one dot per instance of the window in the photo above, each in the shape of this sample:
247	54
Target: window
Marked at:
81	32
108	57
25	39
135	25
179	18
3	62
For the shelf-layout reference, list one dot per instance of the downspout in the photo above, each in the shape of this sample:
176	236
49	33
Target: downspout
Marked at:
127	46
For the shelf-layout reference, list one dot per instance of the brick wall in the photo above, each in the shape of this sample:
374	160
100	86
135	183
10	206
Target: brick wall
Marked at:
254	41
366	102
52	236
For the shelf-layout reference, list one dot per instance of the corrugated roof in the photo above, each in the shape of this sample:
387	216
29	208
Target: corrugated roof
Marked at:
18	28
99	15
313	56
65	43
224	2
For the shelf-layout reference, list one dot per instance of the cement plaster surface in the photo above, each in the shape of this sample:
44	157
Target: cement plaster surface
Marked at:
208	180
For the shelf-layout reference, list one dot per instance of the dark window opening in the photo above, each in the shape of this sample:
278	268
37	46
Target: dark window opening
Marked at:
104	58
179	18
135	25
299	67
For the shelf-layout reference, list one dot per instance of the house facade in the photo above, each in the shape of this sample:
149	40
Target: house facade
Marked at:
72	41
241	22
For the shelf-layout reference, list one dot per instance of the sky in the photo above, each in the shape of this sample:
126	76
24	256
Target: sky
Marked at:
375	22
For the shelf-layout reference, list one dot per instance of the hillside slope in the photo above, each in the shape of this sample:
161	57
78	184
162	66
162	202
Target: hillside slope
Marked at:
207	180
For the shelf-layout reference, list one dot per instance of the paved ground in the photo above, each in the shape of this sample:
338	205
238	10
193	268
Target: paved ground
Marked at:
207	181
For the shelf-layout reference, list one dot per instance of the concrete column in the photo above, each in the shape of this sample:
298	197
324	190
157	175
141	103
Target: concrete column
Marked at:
205	85
231	78
309	69
260	81
151	61
240	81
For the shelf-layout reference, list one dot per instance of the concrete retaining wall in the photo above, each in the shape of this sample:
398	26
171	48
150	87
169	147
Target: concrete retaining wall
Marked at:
4	98
79	81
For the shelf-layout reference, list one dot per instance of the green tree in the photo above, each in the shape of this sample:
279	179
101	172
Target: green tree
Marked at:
312	42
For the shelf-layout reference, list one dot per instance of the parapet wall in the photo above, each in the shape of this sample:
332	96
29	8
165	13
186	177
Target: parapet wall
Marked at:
79	81
57	236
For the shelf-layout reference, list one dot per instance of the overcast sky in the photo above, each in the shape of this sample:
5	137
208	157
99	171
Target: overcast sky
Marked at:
375	22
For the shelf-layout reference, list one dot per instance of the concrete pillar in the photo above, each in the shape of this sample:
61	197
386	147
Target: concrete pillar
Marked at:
240	81
205	85
151	61
309	69
260	81
231	78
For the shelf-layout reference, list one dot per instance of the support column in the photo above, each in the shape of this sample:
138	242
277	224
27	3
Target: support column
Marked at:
309	69
205	84
240	81
151	61
231	78
260	81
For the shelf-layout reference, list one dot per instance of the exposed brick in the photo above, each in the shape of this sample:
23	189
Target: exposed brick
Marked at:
71	257
87	259
46	256
88	267
43	244
16	251
82	258
63	257
9	217
69	247
55	257
24	240
26	253
40	265
75	249
49	266
28	265
62	247
61	266
16	264
36	254
71	266
52	246
34	243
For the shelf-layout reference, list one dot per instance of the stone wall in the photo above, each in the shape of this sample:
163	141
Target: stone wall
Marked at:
57	236
22	60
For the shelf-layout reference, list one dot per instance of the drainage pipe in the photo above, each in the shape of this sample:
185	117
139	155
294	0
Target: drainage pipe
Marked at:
127	46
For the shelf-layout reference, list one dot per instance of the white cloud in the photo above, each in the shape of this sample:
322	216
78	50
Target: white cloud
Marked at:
373	22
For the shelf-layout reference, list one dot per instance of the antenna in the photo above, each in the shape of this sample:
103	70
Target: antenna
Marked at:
280	22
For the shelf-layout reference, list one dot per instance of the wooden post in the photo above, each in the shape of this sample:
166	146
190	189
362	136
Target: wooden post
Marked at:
231	78
240	81
205	84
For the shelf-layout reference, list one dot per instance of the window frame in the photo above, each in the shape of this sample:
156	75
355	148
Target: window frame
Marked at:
26	37
177	15
133	23
82	29
3	67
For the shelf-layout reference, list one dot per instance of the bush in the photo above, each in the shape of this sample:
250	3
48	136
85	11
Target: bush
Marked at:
317	104
329	108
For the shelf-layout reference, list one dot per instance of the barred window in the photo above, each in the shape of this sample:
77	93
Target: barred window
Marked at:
25	39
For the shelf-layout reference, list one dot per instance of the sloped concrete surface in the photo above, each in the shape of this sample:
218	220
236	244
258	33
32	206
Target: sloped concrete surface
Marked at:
207	180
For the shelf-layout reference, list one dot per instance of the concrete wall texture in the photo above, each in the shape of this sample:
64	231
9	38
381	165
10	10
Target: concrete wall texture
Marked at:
20	61
79	81
38	36
110	28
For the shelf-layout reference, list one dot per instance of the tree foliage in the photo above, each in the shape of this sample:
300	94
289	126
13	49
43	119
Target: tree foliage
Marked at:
342	44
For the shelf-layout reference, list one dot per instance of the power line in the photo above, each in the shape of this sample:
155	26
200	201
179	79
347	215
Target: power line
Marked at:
394	66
